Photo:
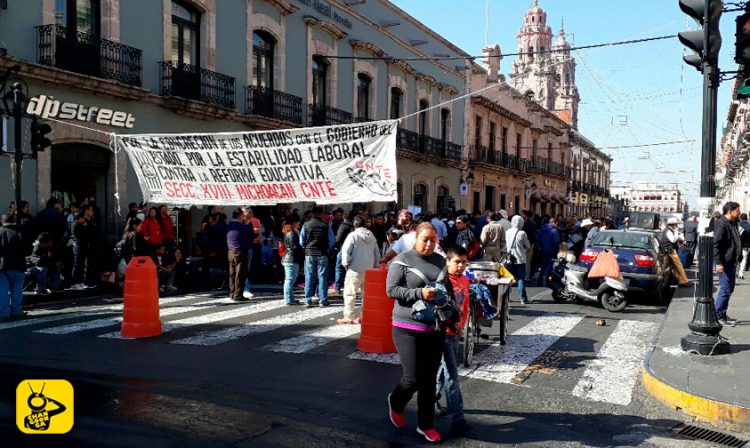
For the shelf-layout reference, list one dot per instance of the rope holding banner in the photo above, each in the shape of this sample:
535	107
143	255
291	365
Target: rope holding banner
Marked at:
113	148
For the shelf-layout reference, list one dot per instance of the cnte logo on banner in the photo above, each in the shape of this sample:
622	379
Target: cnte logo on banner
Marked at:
48	107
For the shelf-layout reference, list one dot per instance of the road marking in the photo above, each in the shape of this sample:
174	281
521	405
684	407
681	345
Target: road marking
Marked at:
211	317
229	334
106	322
610	377
387	358
75	312
500	363
306	342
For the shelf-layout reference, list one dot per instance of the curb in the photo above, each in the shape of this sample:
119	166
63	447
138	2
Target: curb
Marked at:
716	413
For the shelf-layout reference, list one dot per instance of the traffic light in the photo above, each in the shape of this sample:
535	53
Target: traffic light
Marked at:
742	44
39	140
706	43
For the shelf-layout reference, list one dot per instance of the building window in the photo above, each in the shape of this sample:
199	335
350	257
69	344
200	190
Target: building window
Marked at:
502	202
363	96
319	81
445	124
478	131
504	140
442	199
422	122
517	205
518	144
492	136
396	97
489	198
399	195
185	34
82	16
534	144
263	45
420	196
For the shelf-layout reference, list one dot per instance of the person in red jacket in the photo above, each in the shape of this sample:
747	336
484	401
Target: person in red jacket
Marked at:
152	230
168	232
457	257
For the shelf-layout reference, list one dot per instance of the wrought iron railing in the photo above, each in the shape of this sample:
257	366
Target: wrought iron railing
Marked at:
274	104
557	169
413	142
195	83
321	115
87	54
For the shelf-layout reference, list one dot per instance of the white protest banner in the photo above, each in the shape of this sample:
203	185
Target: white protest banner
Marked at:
326	165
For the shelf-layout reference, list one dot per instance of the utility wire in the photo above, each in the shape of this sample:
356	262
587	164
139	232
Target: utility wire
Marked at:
502	55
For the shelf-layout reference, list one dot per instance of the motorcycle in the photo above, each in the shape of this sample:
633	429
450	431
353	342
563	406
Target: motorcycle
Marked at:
570	281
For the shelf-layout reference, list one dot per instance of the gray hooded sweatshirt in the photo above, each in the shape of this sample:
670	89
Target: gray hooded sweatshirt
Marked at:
516	241
360	250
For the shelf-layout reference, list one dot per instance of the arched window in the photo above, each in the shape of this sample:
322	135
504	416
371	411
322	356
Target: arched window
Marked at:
396	99
185	34
442	199
363	96
319	81
445	124
419	198
263	46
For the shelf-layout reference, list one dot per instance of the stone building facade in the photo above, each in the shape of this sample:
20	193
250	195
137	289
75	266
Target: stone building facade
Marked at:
180	66
732	171
590	178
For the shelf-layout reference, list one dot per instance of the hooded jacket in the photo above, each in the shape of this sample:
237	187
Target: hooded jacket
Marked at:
516	241
360	250
549	239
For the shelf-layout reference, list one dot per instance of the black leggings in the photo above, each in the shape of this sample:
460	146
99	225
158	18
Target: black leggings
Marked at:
420	353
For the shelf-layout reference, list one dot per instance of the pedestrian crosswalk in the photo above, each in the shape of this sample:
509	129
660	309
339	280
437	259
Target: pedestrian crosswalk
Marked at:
606	368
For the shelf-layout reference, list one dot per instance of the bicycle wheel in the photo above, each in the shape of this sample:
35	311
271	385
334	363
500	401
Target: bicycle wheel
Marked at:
470	337
504	316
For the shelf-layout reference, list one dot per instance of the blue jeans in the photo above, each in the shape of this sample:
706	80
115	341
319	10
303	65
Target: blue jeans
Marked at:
249	266
448	376
340	274
11	292
290	275
316	266
726	288
40	275
546	268
519	272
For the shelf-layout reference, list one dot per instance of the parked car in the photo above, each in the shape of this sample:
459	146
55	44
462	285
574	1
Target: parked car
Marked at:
644	268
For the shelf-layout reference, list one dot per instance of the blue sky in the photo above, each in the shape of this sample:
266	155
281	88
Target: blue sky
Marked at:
630	95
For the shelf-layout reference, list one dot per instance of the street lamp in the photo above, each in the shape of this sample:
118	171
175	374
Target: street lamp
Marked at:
18	99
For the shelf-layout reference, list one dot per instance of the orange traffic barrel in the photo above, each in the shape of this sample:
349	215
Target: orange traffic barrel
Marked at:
140	310
377	307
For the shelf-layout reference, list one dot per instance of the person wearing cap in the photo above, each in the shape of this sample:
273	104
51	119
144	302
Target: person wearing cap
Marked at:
592	228
669	239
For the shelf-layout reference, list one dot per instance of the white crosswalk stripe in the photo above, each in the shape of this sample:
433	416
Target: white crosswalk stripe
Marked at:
109	321
500	363
201	319
229	334
610	377
306	342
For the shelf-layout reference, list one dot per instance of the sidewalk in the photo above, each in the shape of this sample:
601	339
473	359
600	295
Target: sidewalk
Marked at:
714	389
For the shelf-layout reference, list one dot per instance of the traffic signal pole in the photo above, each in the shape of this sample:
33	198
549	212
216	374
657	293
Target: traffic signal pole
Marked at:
705	329
19	99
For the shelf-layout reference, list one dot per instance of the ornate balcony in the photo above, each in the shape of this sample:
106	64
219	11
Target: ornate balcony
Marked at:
87	54
195	83
413	142
274	104
321	115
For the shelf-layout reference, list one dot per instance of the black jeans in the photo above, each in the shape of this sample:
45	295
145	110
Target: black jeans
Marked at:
420	353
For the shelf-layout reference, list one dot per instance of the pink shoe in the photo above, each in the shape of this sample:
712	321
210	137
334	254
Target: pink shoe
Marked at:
430	434
398	419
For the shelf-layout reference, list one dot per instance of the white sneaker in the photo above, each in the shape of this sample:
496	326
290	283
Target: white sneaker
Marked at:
247	295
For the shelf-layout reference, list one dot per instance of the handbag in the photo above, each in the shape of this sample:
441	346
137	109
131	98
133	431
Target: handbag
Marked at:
508	258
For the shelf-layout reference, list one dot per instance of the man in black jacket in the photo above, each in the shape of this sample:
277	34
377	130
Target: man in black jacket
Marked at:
745	239
691	237
12	268
727	253
317	239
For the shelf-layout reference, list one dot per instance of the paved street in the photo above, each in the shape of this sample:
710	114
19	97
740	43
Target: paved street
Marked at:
262	374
